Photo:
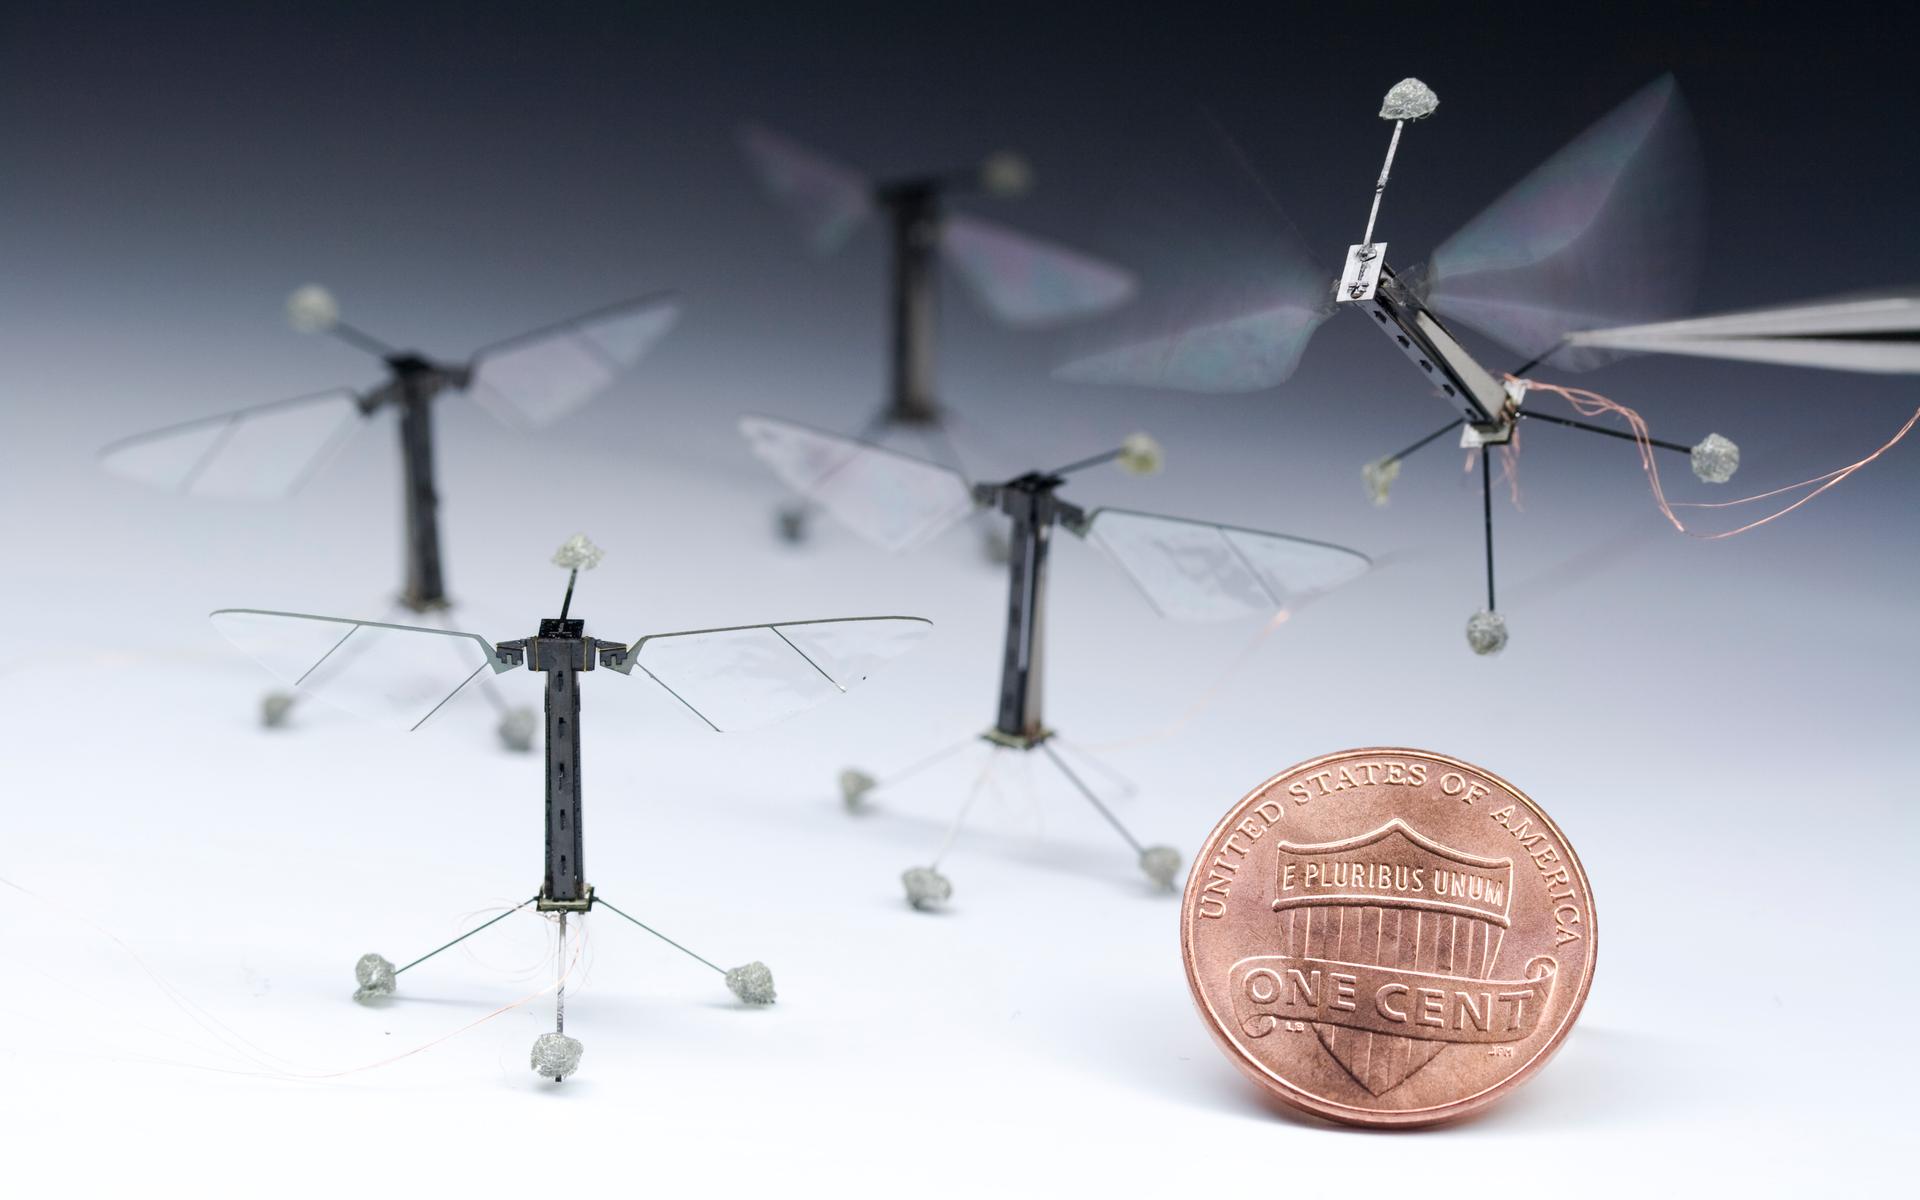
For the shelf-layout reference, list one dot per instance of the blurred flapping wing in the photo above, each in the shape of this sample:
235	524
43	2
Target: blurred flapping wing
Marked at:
533	380
1606	232
399	675
1198	571
753	675
261	453
893	500
1023	280
829	199
1247	351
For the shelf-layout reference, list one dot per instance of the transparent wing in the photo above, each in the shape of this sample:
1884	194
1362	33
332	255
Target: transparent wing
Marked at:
260	453
399	675
534	380
893	500
830	200
754	675
1247	352
1197	571
1231	293
1606	232
1025	281
1878	333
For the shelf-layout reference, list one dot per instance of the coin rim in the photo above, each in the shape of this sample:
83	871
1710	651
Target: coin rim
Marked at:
1301	1099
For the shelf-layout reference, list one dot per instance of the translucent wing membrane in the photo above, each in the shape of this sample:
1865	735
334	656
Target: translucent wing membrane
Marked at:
1196	571
260	453
1245	352
399	675
1606	232
893	500
1879	333
1230	294
754	675
829	199
536	379
1025	281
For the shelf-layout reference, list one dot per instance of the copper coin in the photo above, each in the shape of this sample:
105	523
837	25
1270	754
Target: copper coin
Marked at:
1388	937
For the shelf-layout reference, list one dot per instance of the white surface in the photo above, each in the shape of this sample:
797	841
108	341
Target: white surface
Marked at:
1721	729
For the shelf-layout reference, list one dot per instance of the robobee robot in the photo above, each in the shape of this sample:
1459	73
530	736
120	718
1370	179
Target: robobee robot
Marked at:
1600	233
271	450
1020	280
1185	570
727	679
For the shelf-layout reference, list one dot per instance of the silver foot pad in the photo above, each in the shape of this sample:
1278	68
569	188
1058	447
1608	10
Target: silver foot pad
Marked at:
555	1055
753	983
1161	864
375	977
1487	632
927	889
517	728
275	708
854	786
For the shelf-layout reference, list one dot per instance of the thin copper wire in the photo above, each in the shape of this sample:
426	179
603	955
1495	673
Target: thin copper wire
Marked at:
1593	404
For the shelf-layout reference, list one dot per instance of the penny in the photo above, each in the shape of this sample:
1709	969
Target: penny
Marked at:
1388	937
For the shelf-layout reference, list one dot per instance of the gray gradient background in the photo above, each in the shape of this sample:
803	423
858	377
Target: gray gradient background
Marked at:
1722	728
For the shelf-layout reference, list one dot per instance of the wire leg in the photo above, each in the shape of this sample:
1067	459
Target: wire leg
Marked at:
752	983
1093	799
855	784
560	982
980	785
598	899
463	937
1447	428
1125	785
555	1055
930	760
1589	427
927	889
1486	512
1159	863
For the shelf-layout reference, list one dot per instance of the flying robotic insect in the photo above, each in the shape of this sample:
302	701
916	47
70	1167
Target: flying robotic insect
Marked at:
1020	280
727	679
1185	570
1601	233
270	451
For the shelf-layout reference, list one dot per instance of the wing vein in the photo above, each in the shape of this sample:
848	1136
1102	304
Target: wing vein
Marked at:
450	695
1248	564
324	657
803	654
676	695
212	452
